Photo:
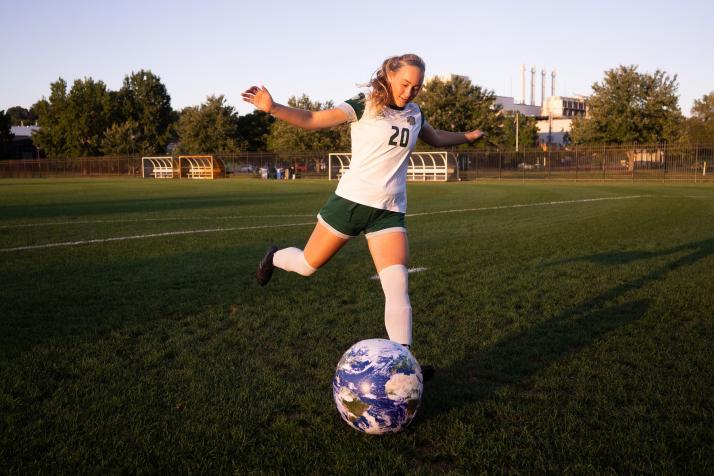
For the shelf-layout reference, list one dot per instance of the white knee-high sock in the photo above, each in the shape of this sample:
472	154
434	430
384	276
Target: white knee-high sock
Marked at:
397	307
292	259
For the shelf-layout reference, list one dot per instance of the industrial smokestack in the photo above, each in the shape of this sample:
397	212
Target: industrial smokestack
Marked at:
533	72
542	87
552	83
523	83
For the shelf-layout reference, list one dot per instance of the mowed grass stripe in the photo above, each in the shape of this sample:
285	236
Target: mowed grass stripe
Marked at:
230	229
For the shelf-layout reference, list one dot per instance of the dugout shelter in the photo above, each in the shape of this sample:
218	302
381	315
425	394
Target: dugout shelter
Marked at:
423	166
159	167
200	167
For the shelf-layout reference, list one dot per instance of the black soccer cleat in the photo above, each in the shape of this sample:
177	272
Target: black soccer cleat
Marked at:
266	267
427	372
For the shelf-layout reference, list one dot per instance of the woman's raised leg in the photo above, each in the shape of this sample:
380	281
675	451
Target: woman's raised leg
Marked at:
322	245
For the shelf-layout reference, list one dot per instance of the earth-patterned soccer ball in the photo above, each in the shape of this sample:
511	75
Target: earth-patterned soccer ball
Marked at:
377	386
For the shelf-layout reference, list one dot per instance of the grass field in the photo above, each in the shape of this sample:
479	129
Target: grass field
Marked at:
570	324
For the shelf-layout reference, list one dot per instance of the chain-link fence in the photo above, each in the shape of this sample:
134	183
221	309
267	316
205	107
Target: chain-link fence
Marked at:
603	163
248	164
661	162
81	166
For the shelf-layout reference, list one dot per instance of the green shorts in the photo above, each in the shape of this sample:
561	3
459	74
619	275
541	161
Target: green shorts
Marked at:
348	219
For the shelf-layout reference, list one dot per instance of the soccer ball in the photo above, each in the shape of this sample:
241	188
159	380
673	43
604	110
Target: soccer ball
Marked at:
377	386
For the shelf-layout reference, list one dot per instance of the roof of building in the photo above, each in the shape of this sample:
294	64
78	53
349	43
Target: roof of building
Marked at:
509	105
24	131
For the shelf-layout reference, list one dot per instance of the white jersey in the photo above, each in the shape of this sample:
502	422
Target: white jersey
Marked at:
382	141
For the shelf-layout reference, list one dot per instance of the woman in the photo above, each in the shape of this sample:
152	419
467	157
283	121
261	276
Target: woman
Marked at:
371	195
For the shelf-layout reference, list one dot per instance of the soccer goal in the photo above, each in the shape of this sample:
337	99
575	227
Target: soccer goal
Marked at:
157	167
337	164
423	166
201	167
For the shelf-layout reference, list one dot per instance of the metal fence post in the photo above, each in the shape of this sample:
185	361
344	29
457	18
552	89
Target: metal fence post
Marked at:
696	162
634	164
576	163
604	160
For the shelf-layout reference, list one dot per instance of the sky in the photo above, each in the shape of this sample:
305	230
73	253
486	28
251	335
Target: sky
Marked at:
326	49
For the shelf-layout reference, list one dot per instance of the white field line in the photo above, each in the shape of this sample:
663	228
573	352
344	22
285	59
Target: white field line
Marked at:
150	235
524	205
217	230
141	220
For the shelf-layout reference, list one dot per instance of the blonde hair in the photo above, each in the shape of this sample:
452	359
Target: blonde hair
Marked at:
380	94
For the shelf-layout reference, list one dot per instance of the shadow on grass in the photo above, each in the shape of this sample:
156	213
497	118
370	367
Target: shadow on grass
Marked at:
517	358
86	295
700	249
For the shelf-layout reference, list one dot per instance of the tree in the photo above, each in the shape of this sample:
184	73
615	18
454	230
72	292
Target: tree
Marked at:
629	106
51	137
120	139
136	119
88	116
700	127
19	115
527	131
253	130
73	124
144	100
458	105
208	128
6	134
285	137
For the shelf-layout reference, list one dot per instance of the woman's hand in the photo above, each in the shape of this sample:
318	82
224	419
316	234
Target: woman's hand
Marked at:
259	97
474	135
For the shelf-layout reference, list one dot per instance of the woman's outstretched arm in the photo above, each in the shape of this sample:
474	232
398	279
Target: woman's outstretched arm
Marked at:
437	138
302	118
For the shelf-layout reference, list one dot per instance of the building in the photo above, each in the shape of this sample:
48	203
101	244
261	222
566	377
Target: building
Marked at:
561	106
554	131
22	146
557	118
554	116
508	104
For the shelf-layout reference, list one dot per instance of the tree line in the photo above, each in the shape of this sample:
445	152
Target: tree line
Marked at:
628	106
88	119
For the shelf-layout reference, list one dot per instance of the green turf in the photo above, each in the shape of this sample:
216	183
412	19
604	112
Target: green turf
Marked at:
570	336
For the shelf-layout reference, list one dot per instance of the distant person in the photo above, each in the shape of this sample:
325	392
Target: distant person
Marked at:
371	196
